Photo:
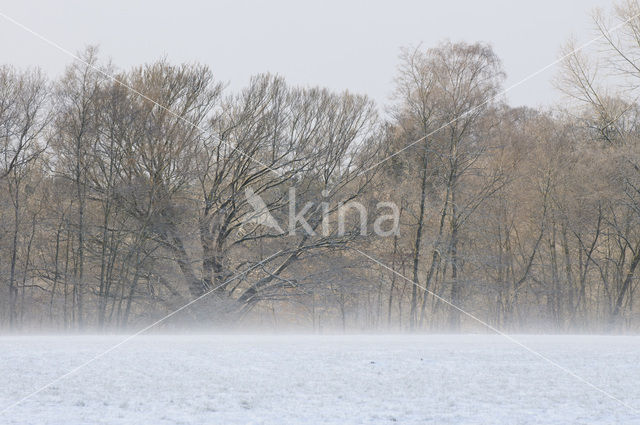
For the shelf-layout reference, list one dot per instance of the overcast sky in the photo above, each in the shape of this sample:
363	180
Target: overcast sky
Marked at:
338	44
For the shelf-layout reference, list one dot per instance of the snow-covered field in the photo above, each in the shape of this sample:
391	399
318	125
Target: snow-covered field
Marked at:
224	379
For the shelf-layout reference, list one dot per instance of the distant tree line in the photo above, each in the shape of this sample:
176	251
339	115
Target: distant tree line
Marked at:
126	194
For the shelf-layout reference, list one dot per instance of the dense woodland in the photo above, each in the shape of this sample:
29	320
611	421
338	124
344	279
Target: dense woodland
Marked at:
123	198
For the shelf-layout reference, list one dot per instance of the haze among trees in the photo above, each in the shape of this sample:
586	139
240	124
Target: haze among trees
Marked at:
122	199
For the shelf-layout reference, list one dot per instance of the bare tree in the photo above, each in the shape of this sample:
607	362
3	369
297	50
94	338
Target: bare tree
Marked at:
24	115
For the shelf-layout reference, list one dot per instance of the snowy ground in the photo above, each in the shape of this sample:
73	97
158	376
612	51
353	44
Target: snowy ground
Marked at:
212	379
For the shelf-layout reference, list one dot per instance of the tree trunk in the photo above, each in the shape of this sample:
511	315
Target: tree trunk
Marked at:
418	241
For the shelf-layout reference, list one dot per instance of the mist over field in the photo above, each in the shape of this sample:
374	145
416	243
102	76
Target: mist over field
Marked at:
175	249
240	379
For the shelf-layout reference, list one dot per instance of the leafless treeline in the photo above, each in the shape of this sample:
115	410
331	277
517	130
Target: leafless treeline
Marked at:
123	199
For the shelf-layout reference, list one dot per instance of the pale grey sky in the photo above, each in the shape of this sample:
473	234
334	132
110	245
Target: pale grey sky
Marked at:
338	44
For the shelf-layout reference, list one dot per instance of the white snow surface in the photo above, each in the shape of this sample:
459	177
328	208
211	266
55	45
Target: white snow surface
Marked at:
347	379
